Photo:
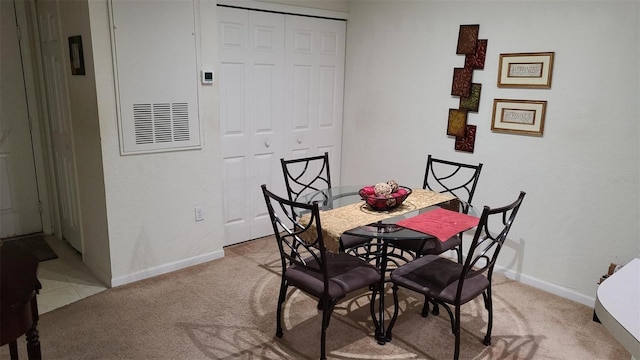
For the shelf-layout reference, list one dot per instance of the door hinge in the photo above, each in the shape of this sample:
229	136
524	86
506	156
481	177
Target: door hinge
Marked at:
40	206
30	123
19	33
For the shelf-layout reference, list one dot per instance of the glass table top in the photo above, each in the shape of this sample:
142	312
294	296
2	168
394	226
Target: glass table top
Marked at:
339	196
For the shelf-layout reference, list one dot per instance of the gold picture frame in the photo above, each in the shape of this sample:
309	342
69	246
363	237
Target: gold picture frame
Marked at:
525	117
525	70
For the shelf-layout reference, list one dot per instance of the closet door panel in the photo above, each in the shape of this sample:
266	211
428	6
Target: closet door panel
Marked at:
251	86
302	80
314	79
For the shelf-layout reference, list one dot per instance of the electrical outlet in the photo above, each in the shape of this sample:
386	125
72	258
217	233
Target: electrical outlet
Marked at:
199	212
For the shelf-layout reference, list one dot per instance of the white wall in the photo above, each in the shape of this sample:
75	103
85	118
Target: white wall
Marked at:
581	178
74	20
151	198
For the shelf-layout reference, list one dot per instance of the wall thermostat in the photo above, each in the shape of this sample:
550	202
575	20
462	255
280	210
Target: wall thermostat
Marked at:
207	77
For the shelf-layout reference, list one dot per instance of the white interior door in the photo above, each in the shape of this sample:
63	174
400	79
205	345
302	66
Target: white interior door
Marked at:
251	85
314	88
281	86
53	47
19	201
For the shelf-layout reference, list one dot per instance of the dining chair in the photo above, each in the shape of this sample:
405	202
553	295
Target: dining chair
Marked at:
303	176
452	284
457	179
307	265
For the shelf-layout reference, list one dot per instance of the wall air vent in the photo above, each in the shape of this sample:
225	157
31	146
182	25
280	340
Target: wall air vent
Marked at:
161	123
157	77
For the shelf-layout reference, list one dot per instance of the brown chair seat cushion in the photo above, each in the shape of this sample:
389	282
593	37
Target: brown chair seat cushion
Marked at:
346	273
349	241
437	277
432	246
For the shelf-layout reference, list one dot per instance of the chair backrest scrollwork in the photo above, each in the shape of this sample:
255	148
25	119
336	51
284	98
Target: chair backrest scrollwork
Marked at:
490	234
457	179
307	175
299	243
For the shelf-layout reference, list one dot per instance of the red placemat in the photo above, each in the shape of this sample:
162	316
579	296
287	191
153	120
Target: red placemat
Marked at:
440	223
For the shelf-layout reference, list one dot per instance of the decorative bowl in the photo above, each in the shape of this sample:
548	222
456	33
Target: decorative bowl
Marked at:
384	202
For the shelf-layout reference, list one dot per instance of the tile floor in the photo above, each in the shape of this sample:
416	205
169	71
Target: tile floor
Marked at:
65	279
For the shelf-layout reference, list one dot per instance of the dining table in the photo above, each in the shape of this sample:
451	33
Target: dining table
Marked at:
425	215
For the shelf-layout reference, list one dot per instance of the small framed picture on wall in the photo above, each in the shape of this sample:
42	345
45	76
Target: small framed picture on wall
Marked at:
525	70
525	117
76	56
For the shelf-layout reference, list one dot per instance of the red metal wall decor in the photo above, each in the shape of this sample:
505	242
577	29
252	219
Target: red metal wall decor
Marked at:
467	39
457	122
472	102
476	60
468	141
461	85
475	51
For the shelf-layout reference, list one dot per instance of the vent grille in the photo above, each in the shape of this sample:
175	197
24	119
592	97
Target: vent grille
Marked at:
143	122
180	122
161	123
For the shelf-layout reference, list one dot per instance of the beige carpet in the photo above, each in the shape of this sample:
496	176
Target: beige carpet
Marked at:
225	309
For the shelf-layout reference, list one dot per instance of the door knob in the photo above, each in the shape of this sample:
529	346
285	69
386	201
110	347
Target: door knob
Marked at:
267	144
299	141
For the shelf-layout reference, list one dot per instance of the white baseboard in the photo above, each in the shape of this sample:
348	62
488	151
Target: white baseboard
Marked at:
546	286
166	268
540	284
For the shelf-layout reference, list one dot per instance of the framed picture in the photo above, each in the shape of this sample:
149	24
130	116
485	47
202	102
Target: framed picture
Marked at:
526	70
518	116
76	56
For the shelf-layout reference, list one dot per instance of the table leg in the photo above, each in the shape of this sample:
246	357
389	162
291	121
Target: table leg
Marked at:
13	350
379	322
33	338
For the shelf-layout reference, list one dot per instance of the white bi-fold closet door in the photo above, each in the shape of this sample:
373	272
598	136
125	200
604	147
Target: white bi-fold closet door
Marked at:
281	93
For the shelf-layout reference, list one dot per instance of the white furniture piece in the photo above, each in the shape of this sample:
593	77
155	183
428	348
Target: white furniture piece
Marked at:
618	306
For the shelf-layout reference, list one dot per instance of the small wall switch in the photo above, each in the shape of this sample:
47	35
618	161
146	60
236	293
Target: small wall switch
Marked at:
199	213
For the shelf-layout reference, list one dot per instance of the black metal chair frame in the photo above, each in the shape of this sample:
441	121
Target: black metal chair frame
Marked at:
298	185
469	186
480	261
440	178
303	254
